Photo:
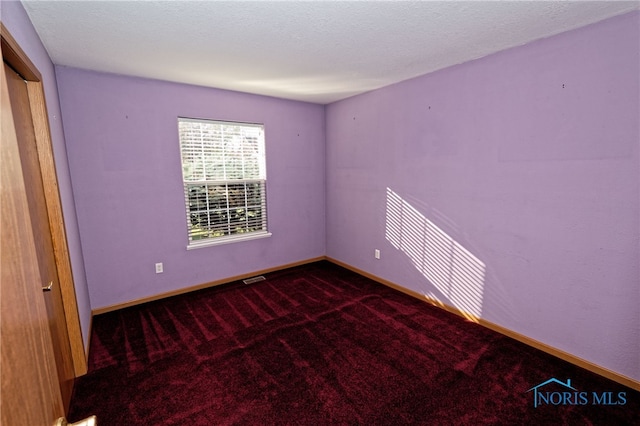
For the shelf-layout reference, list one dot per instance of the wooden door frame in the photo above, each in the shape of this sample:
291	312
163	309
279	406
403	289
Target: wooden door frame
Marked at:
13	55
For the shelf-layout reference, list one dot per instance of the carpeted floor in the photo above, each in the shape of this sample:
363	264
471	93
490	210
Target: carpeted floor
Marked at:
320	345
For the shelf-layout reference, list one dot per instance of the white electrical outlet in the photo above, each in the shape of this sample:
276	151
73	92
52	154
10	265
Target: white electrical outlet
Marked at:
159	268
376	254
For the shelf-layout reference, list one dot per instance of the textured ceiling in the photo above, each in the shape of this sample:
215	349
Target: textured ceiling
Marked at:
316	51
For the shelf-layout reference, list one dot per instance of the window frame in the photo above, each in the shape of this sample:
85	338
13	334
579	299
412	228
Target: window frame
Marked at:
197	176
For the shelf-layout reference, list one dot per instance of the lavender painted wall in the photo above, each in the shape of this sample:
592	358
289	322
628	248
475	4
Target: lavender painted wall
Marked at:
507	186
124	158
17	22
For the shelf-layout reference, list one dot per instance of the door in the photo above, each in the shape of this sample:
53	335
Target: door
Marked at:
17	59
30	391
34	254
23	123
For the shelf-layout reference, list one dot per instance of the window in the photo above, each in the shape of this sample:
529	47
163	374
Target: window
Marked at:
224	177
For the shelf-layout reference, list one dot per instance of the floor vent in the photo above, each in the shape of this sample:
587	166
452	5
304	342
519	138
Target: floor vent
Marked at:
254	279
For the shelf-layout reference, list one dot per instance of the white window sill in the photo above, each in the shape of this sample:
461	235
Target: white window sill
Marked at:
227	240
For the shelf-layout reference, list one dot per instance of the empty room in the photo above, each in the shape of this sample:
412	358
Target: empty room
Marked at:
319	213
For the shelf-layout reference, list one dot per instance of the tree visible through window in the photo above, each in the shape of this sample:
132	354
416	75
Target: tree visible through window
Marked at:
223	169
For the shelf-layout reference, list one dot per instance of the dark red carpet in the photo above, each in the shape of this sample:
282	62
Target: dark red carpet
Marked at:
319	345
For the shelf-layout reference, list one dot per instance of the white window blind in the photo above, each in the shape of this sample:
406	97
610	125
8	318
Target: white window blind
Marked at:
224	177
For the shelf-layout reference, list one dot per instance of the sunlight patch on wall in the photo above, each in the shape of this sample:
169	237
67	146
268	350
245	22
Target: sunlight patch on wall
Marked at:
452	269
